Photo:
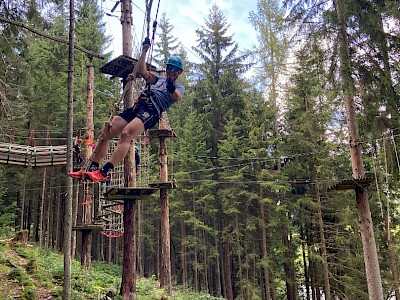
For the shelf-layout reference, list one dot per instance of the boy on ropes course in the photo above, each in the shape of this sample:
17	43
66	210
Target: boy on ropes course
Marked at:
77	152
161	94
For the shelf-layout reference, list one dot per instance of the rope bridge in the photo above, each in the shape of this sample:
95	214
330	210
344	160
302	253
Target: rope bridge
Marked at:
31	156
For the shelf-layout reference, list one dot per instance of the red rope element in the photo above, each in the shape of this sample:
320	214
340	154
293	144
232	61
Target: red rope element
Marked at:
119	207
31	140
112	234
86	203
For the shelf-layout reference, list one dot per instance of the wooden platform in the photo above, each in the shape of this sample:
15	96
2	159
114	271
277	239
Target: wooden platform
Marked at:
351	184
129	193
161	133
28	156
121	67
163	185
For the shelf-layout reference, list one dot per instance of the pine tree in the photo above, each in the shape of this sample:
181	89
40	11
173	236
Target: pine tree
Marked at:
166	43
218	90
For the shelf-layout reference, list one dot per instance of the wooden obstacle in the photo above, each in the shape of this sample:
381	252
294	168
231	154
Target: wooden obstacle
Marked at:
351	184
122	67
28	156
163	185
89	227
125	193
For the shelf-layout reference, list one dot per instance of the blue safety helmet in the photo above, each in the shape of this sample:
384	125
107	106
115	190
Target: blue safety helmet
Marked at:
137	148
176	61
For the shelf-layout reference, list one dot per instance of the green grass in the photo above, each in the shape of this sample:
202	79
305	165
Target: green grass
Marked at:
27	270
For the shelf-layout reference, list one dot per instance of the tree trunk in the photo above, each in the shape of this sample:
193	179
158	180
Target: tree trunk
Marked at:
372	270
75	212
305	267
165	272
218	272
227	265
140	240
88	188
386	218
325	269
265	254
128	285
239	253
183	255
57	237
50	198
70	128
165	275
41	218
205	260
195	254
289	267
86	260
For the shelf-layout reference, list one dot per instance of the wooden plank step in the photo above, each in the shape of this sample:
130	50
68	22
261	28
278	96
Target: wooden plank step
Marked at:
160	133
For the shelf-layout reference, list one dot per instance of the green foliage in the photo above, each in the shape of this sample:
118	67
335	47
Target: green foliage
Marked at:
18	274
29	293
86	284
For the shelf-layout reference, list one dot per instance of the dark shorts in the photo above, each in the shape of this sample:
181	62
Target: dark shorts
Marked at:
145	111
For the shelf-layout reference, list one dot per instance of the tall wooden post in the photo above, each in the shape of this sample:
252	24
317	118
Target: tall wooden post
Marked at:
128	285
87	235
165	272
66	295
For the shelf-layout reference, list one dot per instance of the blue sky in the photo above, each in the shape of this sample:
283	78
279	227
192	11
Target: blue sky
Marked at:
186	16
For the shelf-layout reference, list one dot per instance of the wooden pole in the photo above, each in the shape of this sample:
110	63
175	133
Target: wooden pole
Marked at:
66	295
128	284
86	258
165	272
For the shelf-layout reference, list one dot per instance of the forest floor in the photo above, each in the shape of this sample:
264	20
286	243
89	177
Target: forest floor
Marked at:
10	287
28	272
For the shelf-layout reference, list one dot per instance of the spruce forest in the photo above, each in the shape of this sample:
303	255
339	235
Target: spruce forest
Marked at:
286	161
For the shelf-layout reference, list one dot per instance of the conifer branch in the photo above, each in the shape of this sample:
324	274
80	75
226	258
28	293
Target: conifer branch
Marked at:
59	40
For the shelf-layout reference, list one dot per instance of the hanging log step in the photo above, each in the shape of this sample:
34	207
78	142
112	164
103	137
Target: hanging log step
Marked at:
161	133
351	184
125	193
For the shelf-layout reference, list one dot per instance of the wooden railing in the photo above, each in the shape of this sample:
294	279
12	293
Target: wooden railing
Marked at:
28	156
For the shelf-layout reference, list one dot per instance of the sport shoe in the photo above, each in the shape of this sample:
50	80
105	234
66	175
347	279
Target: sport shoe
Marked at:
77	174
96	176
